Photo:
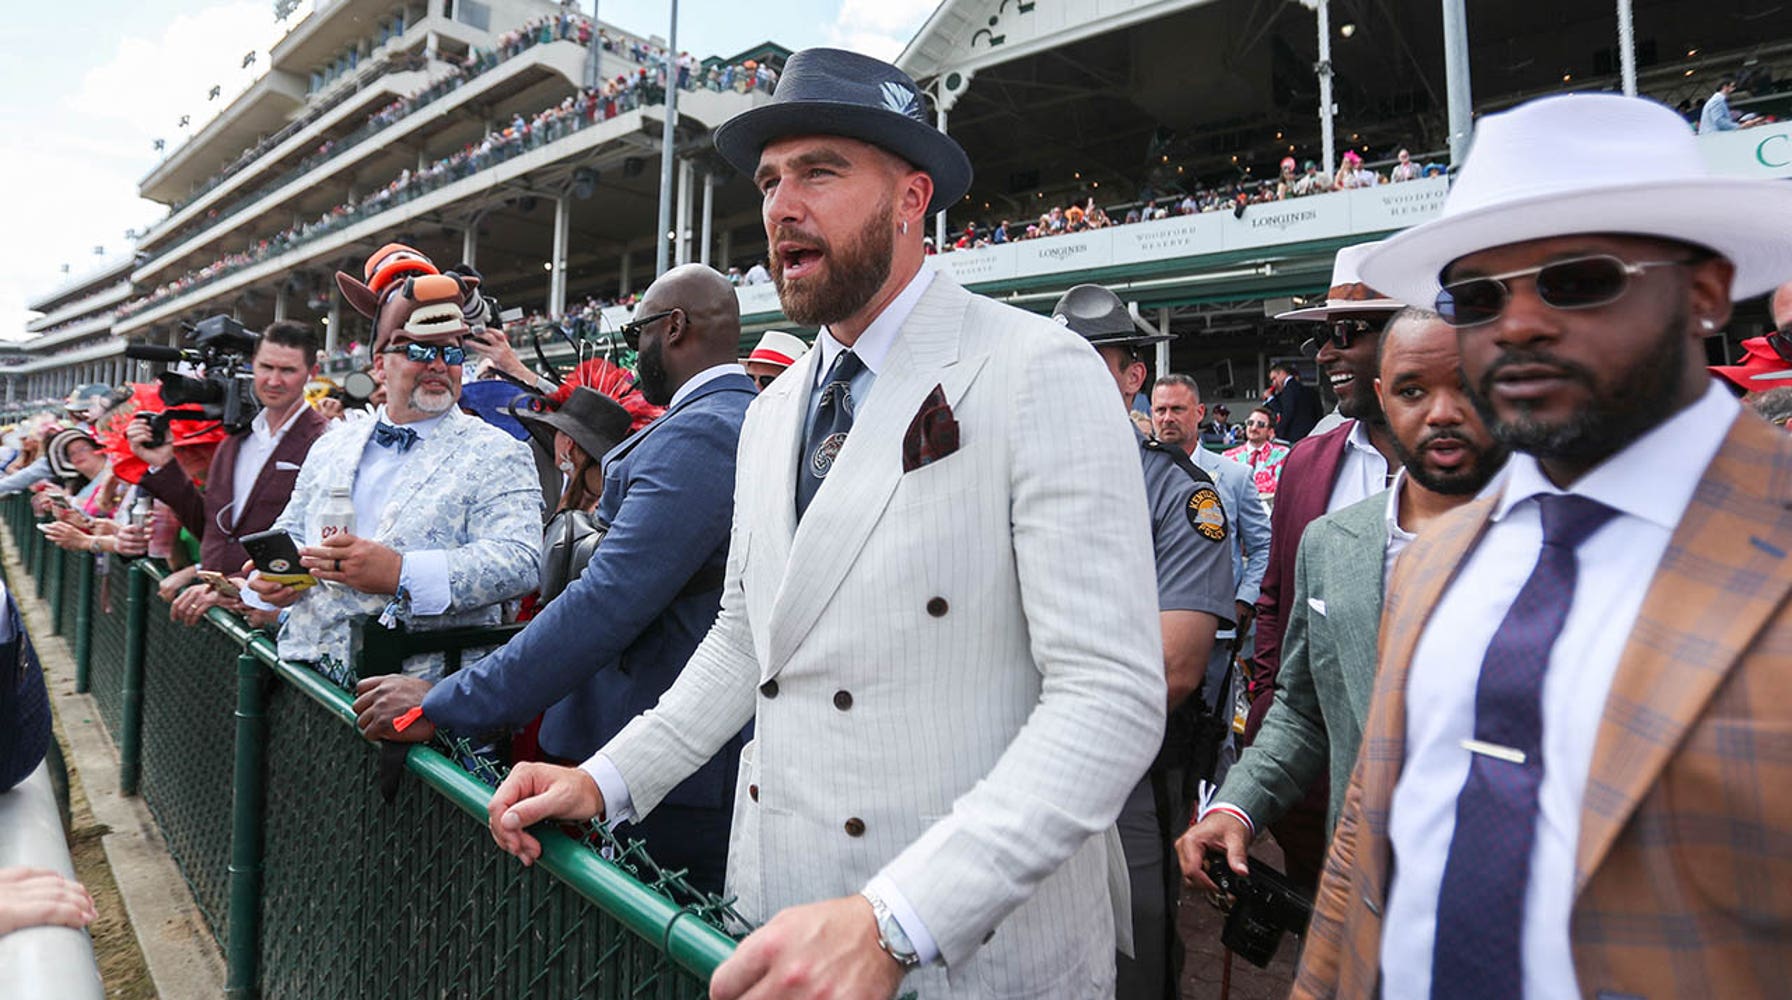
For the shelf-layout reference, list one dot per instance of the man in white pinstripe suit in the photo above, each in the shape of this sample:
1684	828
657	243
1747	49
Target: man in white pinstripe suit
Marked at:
940	604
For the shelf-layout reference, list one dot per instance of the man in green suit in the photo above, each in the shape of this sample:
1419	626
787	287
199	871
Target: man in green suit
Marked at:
1344	560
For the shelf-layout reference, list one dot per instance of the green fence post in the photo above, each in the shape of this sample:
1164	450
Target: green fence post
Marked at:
242	939
58	566
136	621
38	544
84	625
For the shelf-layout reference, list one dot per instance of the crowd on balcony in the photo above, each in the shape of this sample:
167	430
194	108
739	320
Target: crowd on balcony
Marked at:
623	93
1293	181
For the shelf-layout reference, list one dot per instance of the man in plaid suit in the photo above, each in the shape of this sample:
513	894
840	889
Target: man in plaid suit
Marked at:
1574	778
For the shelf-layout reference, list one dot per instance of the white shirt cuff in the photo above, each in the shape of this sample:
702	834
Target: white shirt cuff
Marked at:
1232	811
618	807
424	575
906	917
252	599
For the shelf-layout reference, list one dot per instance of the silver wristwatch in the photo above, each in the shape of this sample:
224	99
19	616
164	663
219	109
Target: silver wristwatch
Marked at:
890	935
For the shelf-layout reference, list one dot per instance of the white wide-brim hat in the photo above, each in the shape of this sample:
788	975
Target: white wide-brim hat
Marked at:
778	348
1579	164
1348	293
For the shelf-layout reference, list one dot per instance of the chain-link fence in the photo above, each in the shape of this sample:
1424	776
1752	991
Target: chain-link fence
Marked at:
356	896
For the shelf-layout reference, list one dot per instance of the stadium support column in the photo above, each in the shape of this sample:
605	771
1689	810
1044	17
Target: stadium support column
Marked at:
687	176
1627	48
668	137
709	217
939	221
725	251
557	277
280	301
1163	346
622	275
333	322
1456	79
1327	143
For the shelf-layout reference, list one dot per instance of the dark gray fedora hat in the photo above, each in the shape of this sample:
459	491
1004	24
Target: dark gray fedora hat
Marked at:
834	92
1101	318
594	421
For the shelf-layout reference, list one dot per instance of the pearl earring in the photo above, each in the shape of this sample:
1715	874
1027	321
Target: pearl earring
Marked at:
1707	325
905	228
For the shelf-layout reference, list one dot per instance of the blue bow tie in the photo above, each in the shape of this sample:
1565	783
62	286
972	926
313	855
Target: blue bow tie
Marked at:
399	438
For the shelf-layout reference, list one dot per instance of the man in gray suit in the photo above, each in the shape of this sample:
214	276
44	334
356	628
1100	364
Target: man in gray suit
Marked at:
938	610
1328	654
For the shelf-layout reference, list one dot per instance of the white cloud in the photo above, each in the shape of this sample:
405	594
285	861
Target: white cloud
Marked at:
92	143
880	28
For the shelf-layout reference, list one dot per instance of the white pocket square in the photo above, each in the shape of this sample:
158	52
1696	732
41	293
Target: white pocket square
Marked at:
285	467
1316	604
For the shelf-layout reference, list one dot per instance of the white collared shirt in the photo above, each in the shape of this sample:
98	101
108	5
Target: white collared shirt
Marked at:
1362	473
702	379
1398	538
252	454
872	347
1616	565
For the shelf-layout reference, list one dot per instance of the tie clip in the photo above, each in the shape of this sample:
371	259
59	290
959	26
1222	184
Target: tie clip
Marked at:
1494	750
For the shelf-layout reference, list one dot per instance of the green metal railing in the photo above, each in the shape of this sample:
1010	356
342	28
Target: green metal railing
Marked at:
313	885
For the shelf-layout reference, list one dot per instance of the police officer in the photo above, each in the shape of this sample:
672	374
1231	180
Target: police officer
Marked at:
1190	533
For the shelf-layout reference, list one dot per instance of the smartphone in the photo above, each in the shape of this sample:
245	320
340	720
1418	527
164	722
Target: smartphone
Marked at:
221	584
276	555
62	501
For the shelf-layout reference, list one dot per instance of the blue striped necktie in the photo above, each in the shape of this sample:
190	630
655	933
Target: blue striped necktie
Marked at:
827	434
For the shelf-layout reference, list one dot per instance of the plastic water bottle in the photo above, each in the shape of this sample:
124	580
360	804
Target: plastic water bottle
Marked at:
140	512
338	517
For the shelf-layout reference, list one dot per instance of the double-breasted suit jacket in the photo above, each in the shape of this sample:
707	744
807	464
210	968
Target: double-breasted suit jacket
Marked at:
956	671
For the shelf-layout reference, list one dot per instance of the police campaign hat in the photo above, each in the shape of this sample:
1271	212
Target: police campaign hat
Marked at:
1102	318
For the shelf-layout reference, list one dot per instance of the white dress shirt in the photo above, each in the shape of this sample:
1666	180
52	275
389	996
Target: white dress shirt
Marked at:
1362	473
1615	566
252	453
872	347
1398	538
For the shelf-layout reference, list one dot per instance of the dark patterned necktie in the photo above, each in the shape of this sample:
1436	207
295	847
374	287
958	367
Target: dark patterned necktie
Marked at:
392	436
827	434
1479	950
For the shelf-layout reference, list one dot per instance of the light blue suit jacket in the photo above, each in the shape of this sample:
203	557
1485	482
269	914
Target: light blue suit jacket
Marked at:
468	488
1238	494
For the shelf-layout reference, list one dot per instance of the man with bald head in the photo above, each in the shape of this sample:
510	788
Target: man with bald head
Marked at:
606	649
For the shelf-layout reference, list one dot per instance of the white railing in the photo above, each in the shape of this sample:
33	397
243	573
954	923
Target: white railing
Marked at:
42	963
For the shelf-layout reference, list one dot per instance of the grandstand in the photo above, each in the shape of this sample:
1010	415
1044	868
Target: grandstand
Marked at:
462	127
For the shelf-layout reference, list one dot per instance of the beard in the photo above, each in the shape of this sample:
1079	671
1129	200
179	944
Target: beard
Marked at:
1630	405
854	272
426	399
651	376
1465	481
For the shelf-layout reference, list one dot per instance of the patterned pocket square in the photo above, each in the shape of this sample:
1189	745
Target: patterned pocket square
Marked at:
932	435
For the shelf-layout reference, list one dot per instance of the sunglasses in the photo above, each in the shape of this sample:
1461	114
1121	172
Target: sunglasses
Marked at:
1256	423
425	354
631	331
1343	332
1579	283
1781	342
764	381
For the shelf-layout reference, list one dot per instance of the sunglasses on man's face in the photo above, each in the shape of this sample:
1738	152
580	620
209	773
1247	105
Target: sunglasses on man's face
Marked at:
1256	423
1578	283
631	331
764	382
1344	332
424	354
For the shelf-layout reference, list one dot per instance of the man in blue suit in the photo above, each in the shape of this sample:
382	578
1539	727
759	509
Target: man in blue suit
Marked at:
605	650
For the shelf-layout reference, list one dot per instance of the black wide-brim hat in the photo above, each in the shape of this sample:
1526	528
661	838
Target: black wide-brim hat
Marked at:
1102	319
834	92
594	421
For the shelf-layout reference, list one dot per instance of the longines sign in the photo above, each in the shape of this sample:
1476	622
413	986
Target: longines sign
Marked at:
1764	152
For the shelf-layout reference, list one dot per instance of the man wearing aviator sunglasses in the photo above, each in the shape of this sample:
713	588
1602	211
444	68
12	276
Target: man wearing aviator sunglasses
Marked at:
1566	785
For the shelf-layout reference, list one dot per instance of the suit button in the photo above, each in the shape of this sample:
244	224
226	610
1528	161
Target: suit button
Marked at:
842	700
753	792
769	688
937	607
855	827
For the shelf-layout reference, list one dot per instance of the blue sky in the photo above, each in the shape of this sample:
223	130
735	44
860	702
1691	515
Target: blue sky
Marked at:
87	96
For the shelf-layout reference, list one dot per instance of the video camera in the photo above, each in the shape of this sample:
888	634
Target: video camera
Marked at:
1265	905
224	392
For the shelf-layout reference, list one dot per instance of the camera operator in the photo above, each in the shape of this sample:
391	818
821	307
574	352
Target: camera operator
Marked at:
253	472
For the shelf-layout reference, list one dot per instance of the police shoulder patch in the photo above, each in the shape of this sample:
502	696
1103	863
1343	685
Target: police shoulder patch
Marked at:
1205	513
